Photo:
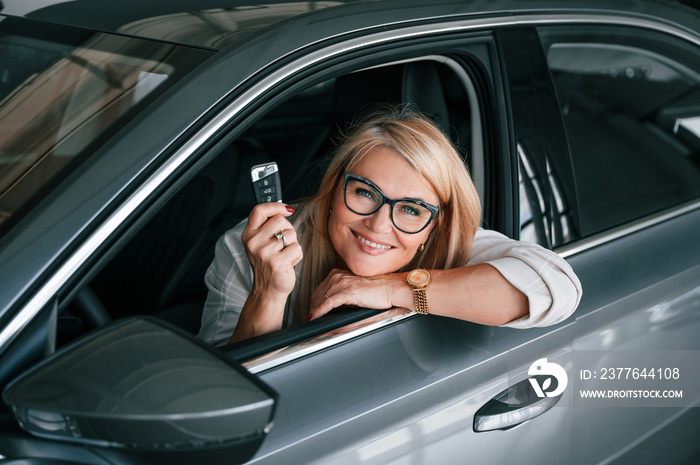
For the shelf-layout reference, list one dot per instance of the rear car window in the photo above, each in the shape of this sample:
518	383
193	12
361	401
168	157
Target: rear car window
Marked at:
63	93
631	106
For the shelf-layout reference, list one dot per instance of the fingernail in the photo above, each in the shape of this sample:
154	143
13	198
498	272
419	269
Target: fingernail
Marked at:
290	209
309	317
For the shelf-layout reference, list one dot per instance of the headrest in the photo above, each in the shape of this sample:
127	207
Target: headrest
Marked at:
356	93
417	83
422	87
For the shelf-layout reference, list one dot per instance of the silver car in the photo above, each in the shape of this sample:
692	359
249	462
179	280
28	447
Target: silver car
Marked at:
127	134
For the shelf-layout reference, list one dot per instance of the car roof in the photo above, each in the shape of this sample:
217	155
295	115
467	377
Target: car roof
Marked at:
214	24
203	23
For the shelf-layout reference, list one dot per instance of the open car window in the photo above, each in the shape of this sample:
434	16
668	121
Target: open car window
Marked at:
167	259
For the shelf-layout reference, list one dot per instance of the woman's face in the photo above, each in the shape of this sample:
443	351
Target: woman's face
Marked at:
372	245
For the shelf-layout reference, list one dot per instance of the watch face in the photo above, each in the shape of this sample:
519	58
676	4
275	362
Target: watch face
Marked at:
418	277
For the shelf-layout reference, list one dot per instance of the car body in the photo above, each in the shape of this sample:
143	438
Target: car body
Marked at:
126	148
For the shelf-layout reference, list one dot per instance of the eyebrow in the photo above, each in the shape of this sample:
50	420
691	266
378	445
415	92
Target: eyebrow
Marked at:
380	190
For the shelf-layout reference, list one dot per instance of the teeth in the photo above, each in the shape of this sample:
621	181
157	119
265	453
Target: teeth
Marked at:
372	244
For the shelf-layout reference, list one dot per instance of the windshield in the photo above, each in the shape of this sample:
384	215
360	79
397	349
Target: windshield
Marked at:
63	93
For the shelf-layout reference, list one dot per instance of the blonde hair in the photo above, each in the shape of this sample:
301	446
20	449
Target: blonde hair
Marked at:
430	153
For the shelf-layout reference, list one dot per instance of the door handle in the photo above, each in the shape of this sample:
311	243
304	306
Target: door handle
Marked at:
511	407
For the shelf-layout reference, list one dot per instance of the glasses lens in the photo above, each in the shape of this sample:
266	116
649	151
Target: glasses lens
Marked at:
410	217
361	198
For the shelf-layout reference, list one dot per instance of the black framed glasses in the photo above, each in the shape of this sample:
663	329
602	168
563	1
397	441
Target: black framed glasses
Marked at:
408	215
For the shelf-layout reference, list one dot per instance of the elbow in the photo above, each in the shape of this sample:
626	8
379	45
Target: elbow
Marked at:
507	317
547	312
518	309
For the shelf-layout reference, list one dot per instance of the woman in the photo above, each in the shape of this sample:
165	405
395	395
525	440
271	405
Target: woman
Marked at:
359	245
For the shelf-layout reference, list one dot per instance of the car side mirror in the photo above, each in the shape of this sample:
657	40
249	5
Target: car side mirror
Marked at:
141	387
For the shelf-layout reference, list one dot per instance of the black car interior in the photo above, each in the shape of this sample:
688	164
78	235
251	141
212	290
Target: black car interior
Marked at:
161	270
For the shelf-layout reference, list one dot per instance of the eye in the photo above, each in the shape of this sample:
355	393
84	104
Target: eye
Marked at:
364	192
410	210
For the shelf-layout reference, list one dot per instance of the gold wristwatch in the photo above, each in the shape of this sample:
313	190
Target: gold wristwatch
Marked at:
418	279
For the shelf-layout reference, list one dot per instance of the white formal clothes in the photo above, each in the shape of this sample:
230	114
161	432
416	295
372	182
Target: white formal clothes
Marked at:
552	288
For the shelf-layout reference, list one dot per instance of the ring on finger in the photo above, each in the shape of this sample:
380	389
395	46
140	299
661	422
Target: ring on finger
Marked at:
327	296
280	237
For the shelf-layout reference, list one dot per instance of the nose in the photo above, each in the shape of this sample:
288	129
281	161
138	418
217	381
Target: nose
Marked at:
380	221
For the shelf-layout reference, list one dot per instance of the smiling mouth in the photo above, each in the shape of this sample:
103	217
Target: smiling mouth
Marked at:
374	245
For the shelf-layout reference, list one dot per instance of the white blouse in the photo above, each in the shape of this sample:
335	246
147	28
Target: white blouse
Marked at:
552	288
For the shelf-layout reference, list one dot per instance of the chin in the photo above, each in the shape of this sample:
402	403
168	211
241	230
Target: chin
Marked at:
364	270
369	268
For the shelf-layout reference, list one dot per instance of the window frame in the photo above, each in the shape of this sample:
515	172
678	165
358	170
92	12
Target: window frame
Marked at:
263	353
232	119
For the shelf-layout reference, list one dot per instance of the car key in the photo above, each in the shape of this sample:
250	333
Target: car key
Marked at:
266	182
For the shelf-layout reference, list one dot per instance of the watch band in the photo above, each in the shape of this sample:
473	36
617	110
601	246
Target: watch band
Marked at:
420	299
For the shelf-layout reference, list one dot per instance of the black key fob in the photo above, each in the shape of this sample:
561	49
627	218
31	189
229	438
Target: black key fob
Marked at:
266	183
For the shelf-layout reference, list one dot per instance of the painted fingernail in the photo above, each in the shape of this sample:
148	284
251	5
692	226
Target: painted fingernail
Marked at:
310	317
290	209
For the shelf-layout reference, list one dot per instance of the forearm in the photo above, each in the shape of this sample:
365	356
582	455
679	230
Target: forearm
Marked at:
262	313
477	293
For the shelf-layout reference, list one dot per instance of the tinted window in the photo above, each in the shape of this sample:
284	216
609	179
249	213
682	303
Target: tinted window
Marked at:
63	92
631	107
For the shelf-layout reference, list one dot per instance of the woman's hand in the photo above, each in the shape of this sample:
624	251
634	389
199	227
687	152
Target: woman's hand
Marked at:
344	288
272	261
